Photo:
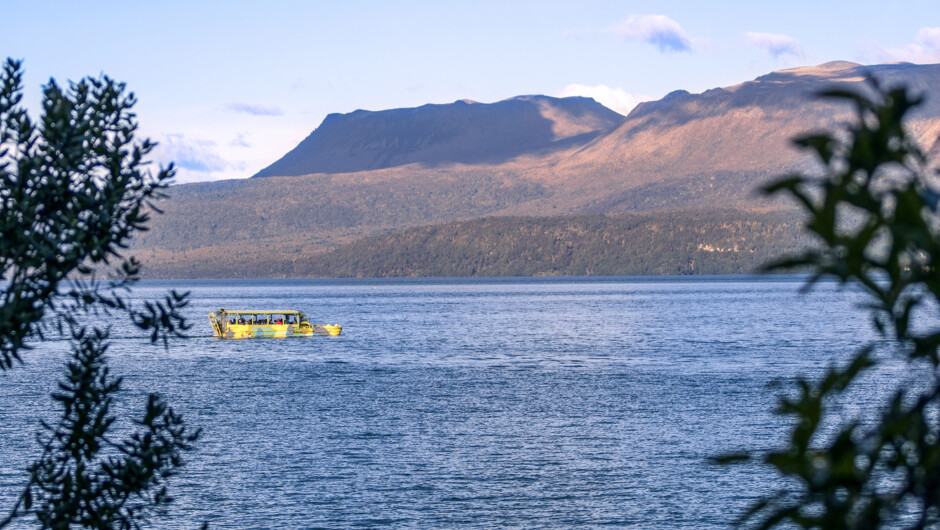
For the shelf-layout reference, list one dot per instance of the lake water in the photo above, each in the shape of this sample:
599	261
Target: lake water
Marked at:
472	402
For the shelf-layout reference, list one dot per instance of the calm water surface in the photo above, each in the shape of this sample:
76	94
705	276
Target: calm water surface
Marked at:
506	402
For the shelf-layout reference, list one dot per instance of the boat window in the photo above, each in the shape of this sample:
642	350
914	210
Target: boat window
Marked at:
261	319
291	319
233	319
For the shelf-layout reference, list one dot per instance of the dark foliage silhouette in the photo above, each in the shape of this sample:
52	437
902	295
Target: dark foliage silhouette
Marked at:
74	188
874	212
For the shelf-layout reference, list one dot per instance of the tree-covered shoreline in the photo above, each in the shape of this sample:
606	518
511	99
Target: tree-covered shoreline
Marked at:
662	243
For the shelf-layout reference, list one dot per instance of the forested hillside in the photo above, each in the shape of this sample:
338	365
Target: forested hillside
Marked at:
713	242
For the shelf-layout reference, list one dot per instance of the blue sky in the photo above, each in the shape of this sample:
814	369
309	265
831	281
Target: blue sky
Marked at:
229	87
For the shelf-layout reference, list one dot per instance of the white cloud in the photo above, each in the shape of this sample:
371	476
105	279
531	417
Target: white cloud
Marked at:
924	49
616	99
929	38
240	141
658	30
254	109
775	44
195	159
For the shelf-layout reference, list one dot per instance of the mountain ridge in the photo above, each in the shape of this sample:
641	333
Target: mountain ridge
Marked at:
685	151
436	134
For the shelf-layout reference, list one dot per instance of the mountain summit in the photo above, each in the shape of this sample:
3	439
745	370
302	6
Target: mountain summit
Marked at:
464	132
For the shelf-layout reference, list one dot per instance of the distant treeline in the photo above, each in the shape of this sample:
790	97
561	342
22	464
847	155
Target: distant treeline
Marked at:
713	242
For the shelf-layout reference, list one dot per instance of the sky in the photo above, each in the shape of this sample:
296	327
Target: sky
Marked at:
227	88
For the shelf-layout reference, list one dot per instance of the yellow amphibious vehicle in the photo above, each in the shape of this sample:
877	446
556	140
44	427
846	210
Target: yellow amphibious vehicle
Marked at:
229	324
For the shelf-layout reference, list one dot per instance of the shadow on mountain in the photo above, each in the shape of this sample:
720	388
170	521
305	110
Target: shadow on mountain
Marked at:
462	132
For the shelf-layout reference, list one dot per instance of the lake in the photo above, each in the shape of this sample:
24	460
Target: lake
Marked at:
472	402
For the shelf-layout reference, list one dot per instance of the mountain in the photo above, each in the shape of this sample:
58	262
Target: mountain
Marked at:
464	132
694	149
682	150
365	173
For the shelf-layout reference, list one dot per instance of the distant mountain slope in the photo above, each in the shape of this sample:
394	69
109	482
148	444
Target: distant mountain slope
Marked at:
369	172
461	132
683	150
734	137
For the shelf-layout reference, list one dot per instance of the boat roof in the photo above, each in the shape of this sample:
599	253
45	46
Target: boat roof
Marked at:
257	311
